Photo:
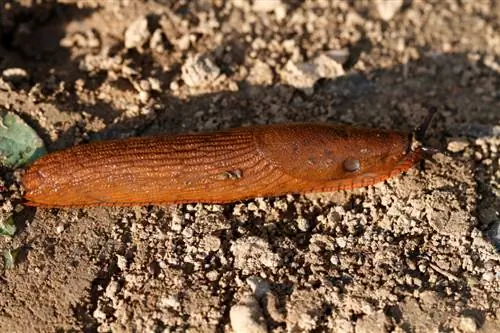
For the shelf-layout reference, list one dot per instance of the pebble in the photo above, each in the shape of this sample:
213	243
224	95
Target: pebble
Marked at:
212	276
170	302
266	5
59	229
199	71
457	145
246	316
488	276
155	84
254	253
304	75
339	56
260	74
211	243
157	41
468	324
388	8
341	242
15	75
302	224
144	96
121	262
137	34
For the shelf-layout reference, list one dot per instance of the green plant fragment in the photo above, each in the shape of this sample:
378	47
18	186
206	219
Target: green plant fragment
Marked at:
19	143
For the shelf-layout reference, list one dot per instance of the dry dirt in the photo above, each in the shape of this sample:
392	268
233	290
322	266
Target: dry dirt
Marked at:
418	253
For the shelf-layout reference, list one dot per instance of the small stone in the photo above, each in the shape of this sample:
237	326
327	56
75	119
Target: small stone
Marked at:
121	262
188	232
246	316
341	242
155	84
184	42
174	85
468	324
157	41
15	75
170	302
137	34
302	224
144	85
339	56
260	74
212	276
211	243
199	71
266	5
388	8
99	314
111	289
488	276
144	96
253	253
335	260
457	145
304	75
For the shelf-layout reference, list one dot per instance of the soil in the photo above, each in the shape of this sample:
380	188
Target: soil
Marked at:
417	253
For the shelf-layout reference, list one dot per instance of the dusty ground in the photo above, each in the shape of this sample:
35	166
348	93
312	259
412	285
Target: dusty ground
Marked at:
415	254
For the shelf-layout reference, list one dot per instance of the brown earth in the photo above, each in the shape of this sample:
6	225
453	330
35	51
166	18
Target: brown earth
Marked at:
414	254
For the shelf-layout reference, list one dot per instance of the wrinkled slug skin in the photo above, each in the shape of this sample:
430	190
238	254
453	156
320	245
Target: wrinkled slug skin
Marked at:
218	167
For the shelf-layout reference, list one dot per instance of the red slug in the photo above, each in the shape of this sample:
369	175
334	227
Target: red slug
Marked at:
219	167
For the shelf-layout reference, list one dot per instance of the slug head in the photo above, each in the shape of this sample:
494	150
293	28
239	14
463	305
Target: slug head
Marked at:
323	153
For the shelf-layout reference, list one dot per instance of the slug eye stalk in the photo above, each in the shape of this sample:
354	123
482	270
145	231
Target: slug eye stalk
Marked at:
417	136
420	130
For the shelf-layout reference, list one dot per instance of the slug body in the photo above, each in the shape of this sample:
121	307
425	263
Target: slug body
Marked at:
218	167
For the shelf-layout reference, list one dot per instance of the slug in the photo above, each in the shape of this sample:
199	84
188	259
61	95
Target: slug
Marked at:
220	167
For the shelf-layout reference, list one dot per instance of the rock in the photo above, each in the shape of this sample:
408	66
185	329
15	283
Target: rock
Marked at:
457	145
260	74
488	276
199	71
303	224
246	316
339	56
15	75
468	324
210	243
253	253
304	75
137	34
266	5
388	8
158	41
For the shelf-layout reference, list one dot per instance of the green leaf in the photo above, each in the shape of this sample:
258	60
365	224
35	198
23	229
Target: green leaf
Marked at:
19	143
8	228
9	258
